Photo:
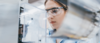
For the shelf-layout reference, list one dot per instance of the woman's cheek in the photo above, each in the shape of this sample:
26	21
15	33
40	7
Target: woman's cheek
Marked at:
49	19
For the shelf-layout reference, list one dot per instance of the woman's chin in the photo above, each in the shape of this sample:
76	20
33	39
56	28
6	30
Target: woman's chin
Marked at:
55	27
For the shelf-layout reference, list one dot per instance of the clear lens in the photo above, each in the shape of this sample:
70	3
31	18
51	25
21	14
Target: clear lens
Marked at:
54	12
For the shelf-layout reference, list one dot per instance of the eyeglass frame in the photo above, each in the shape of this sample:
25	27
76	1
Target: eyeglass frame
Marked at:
54	8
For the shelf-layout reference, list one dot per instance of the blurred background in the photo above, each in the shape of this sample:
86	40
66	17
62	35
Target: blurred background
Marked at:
25	21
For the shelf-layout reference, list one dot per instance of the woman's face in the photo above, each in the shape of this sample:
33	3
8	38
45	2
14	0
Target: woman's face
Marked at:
55	19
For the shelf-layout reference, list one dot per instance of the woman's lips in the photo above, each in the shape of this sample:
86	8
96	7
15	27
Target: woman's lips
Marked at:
52	22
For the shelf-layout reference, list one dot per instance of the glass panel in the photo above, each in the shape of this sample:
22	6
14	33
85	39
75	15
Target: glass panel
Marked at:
33	20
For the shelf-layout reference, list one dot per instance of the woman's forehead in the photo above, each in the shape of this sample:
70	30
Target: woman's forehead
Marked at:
51	4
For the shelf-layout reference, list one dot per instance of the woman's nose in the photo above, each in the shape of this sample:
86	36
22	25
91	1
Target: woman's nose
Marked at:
51	16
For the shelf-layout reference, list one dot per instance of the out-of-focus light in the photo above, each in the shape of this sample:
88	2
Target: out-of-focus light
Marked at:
32	11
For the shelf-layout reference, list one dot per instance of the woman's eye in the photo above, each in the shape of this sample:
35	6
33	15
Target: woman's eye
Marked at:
54	11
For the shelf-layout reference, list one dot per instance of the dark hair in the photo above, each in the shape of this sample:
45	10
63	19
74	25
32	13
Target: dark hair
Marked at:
63	5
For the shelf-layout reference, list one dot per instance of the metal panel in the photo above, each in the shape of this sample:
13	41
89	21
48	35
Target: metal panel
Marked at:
9	18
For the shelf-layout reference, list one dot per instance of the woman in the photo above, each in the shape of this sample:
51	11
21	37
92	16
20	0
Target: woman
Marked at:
56	13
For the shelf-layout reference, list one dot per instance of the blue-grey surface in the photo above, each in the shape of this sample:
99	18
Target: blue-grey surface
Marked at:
9	21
